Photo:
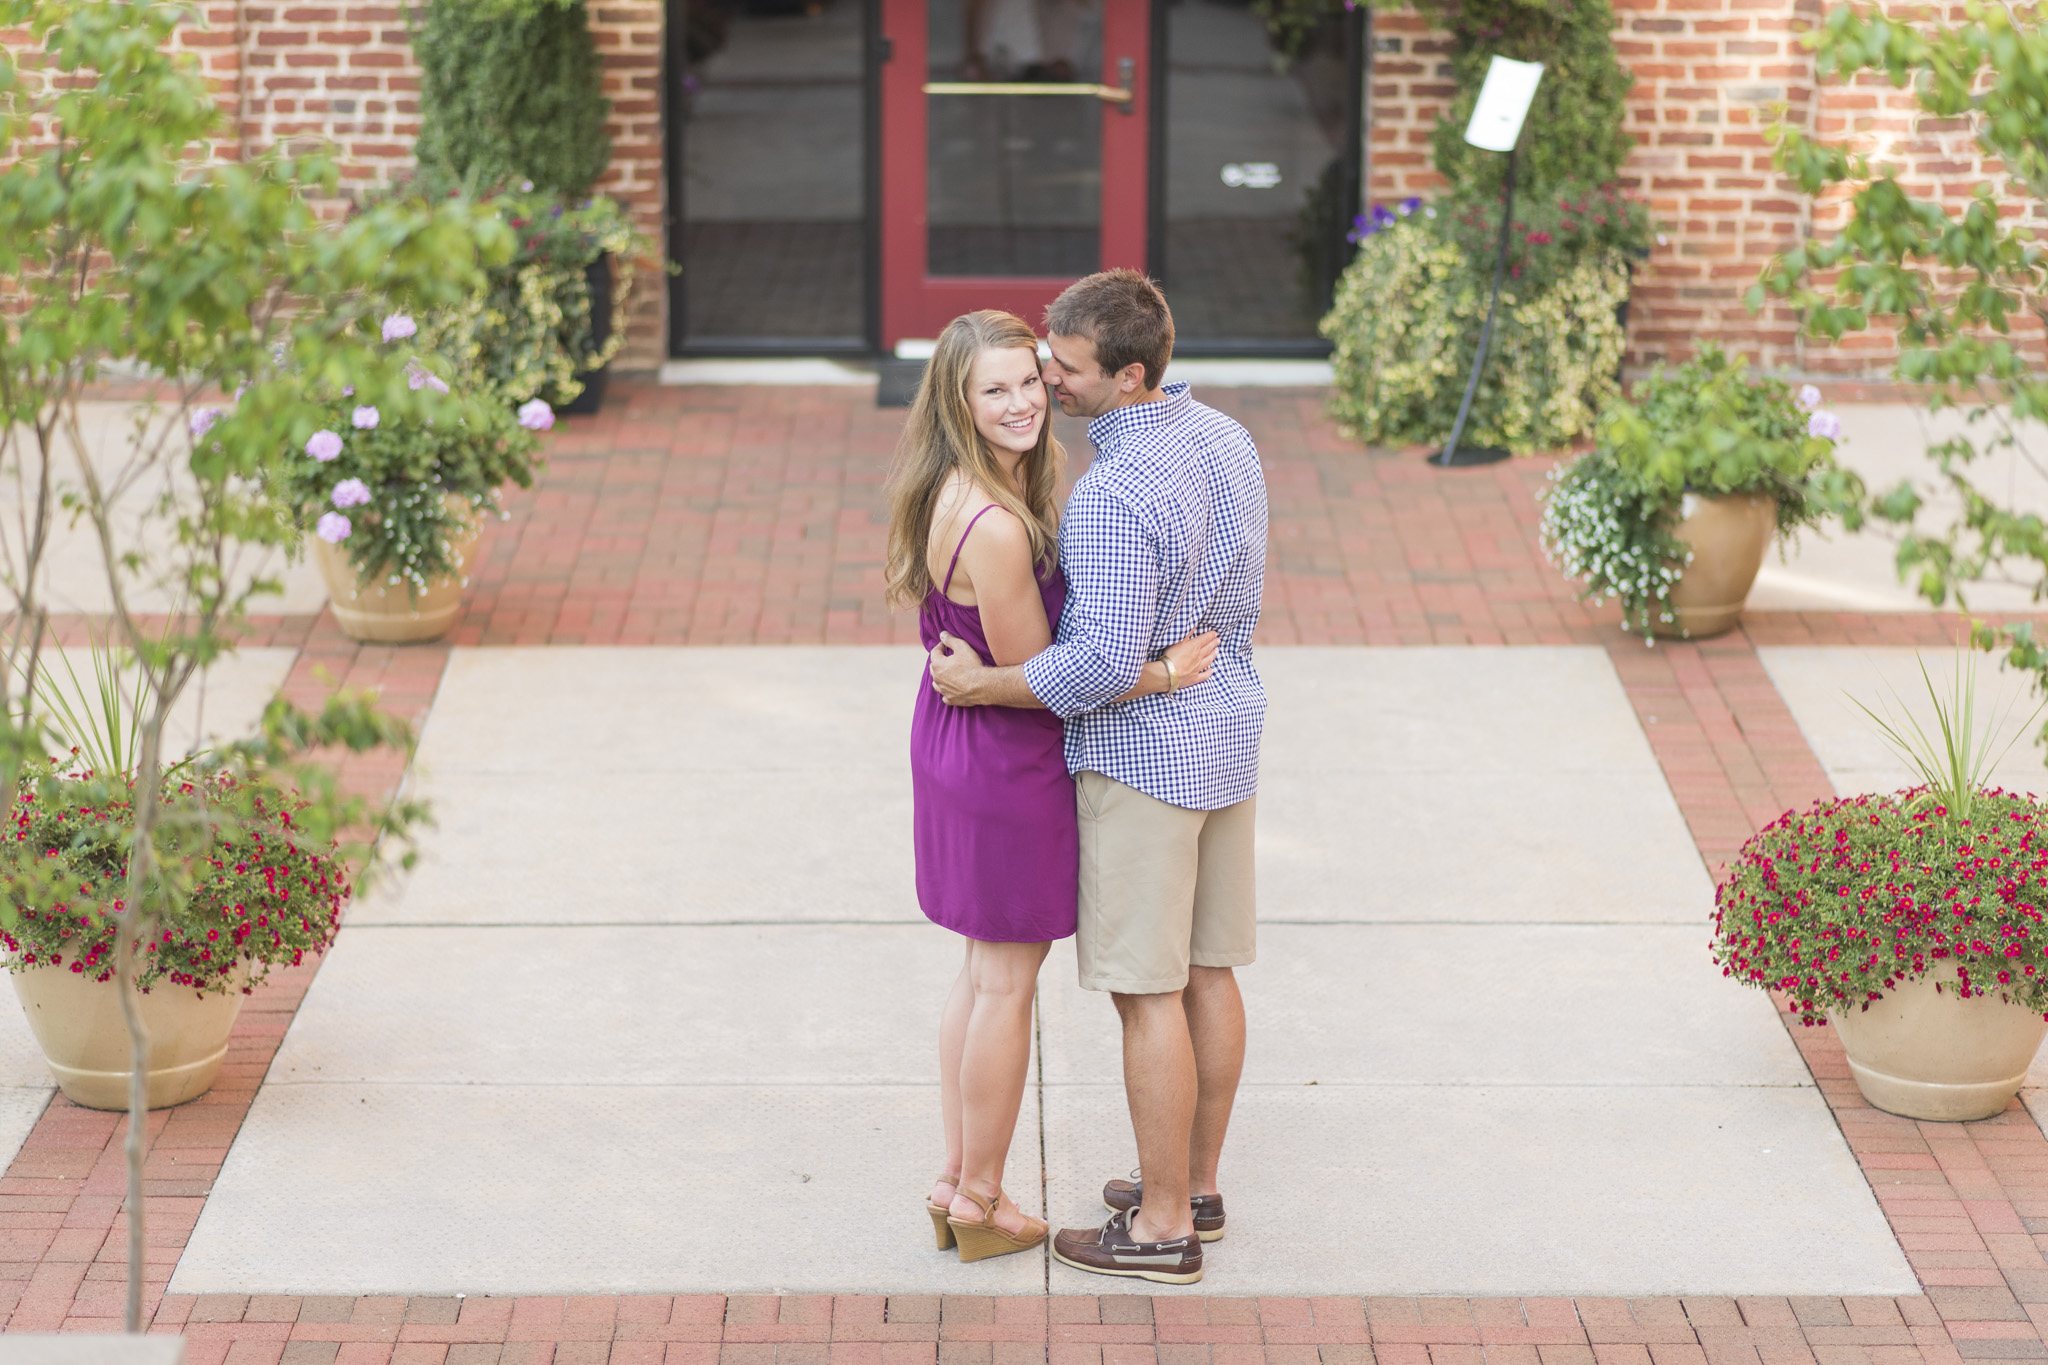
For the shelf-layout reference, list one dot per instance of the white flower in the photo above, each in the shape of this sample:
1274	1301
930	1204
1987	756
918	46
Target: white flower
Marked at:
536	415
323	445
1809	398
398	326
333	528
351	493
202	420
1825	425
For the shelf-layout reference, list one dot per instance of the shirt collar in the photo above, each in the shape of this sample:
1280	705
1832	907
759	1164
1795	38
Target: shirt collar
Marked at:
1120	426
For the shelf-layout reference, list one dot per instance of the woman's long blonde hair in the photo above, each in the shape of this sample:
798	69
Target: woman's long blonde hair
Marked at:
940	436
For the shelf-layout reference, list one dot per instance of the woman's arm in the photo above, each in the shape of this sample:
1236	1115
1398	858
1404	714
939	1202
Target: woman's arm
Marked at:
996	564
1191	658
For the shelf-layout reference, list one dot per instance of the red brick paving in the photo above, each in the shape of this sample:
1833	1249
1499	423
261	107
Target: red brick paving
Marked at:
754	516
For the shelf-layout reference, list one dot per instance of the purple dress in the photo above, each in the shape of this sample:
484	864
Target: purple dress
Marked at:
998	847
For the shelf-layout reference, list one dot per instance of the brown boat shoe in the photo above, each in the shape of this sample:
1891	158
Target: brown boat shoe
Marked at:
1111	1250
1119	1195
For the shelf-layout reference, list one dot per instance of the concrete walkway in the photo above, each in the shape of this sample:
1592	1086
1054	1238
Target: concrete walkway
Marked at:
657	1010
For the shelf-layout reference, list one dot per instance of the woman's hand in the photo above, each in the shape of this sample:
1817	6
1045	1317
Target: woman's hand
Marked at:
1192	659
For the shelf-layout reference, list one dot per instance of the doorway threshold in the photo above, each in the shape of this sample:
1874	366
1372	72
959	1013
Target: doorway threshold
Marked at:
803	371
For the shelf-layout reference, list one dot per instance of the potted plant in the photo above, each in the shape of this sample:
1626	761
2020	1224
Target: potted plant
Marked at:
394	502
258	894
1916	922
543	326
1684	489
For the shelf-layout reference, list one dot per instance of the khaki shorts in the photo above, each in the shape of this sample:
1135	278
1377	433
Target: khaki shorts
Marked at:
1161	887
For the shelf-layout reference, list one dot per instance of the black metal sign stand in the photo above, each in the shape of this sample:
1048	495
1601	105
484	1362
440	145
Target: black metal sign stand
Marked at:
1453	455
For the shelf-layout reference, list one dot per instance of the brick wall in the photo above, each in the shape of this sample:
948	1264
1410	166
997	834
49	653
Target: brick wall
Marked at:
344	74
1708	73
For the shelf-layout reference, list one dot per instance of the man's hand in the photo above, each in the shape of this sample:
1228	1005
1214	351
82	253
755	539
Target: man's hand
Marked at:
956	671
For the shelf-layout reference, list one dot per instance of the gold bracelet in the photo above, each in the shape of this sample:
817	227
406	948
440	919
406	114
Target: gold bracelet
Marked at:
1172	675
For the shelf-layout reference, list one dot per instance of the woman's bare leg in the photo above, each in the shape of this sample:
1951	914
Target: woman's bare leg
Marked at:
952	1042
1003	978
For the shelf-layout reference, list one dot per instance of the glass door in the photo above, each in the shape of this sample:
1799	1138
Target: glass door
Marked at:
1014	137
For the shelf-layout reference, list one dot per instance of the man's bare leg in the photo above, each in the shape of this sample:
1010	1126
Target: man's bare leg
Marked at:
1160	1082
1215	1019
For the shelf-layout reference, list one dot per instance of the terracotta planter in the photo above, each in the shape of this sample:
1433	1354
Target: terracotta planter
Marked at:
390	613
1728	536
77	1021
1937	1056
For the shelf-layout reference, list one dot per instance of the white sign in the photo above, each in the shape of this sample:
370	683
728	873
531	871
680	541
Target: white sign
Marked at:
1251	175
1503	104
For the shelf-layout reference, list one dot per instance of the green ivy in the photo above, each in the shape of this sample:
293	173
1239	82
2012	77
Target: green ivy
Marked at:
1575	128
510	94
1574	131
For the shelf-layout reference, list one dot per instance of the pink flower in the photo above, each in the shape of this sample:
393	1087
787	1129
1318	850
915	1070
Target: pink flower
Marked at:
202	420
333	527
351	493
1809	398
323	445
536	415
398	326
364	418
1825	425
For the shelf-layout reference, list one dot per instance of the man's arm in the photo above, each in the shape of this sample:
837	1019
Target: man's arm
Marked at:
963	680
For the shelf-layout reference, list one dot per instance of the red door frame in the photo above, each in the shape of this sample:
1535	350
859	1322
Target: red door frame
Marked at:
916	305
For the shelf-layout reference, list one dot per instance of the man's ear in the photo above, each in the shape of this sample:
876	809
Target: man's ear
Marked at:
1131	378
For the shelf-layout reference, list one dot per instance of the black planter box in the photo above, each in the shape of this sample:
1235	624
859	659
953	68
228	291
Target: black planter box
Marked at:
598	274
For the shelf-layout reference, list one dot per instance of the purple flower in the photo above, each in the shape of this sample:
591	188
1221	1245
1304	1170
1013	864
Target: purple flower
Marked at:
1809	398
1825	425
323	446
536	415
351	493
398	326
202	420
364	418
1383	216
1361	228
1408	205
333	527
419	377
348	390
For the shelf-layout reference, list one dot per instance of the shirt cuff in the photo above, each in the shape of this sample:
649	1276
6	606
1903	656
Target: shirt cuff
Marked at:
1042	676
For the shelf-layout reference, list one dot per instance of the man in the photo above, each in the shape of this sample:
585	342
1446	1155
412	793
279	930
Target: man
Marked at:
1165	535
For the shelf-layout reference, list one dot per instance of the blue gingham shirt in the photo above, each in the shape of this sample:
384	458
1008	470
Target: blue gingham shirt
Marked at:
1164	535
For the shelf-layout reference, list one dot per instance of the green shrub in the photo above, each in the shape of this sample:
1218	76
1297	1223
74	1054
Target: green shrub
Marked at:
1406	323
511	94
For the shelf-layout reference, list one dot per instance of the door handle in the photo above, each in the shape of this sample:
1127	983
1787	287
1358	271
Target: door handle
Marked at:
1119	95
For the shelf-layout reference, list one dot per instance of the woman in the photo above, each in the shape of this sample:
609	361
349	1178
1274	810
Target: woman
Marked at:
972	543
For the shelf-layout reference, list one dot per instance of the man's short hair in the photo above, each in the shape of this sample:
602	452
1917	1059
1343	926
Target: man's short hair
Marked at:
1126	317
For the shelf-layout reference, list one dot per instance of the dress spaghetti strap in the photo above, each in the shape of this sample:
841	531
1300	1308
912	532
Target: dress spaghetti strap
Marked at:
963	545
